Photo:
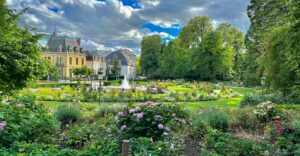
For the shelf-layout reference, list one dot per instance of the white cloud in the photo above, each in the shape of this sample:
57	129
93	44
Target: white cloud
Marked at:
127	11
111	24
162	34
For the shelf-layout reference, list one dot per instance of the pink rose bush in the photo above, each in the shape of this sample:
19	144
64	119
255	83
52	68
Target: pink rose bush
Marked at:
150	119
2	125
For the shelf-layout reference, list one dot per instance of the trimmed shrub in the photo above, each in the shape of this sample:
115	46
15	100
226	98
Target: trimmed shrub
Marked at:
151	120
68	114
24	122
215	118
107	83
255	99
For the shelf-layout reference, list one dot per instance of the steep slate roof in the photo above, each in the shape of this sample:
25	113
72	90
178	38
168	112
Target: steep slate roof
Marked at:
62	43
125	56
94	56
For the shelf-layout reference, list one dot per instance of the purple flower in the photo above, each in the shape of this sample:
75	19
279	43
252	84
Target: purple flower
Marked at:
121	114
132	110
157	117
167	129
139	116
20	105
160	126
2	125
123	127
141	105
150	103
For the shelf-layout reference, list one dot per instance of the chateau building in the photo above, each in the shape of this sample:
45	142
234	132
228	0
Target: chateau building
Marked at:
66	54
96	62
127	61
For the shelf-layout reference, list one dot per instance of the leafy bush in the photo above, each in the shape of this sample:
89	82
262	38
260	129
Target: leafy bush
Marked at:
200	127
146	146
19	123
68	114
151	120
255	99
215	118
107	110
266	112
107	83
244	118
225	144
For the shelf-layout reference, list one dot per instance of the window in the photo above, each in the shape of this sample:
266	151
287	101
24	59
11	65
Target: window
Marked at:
82	61
76	61
70	60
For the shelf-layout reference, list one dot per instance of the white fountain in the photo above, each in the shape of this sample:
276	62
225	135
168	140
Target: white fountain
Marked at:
125	83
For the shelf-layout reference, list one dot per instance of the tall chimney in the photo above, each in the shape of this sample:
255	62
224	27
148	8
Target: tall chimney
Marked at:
79	41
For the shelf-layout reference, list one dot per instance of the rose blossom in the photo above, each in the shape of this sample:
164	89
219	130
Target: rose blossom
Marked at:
123	127
167	129
2	125
160	126
20	105
132	110
121	114
140	116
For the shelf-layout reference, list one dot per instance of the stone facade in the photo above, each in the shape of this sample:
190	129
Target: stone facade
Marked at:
66	54
127	62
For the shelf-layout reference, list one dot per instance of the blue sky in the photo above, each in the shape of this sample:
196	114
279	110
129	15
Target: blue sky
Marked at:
114	24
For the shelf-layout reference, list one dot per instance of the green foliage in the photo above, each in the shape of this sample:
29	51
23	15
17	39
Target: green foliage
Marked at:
212	59
225	144
68	114
20	56
235	39
255	99
82	71
244	118
138	66
215	118
25	121
195	29
263	16
150	51
146	146
266	112
107	83
151	120
116	68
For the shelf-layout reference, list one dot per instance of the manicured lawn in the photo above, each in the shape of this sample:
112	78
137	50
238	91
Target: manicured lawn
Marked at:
180	89
232	103
242	90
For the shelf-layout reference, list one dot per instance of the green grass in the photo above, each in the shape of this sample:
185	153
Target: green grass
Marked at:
242	90
180	89
232	103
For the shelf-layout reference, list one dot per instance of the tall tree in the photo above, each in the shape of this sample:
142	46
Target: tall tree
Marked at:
213	59
192	34
295	49
263	15
20	56
150	51
167	61
235	39
116	69
138	66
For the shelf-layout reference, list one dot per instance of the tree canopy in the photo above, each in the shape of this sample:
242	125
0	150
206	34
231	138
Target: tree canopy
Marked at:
20	56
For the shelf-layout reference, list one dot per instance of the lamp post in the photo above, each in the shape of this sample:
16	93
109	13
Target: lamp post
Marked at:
100	77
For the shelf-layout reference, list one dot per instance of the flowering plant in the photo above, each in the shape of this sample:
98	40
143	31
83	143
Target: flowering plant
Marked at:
150	120
266	112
